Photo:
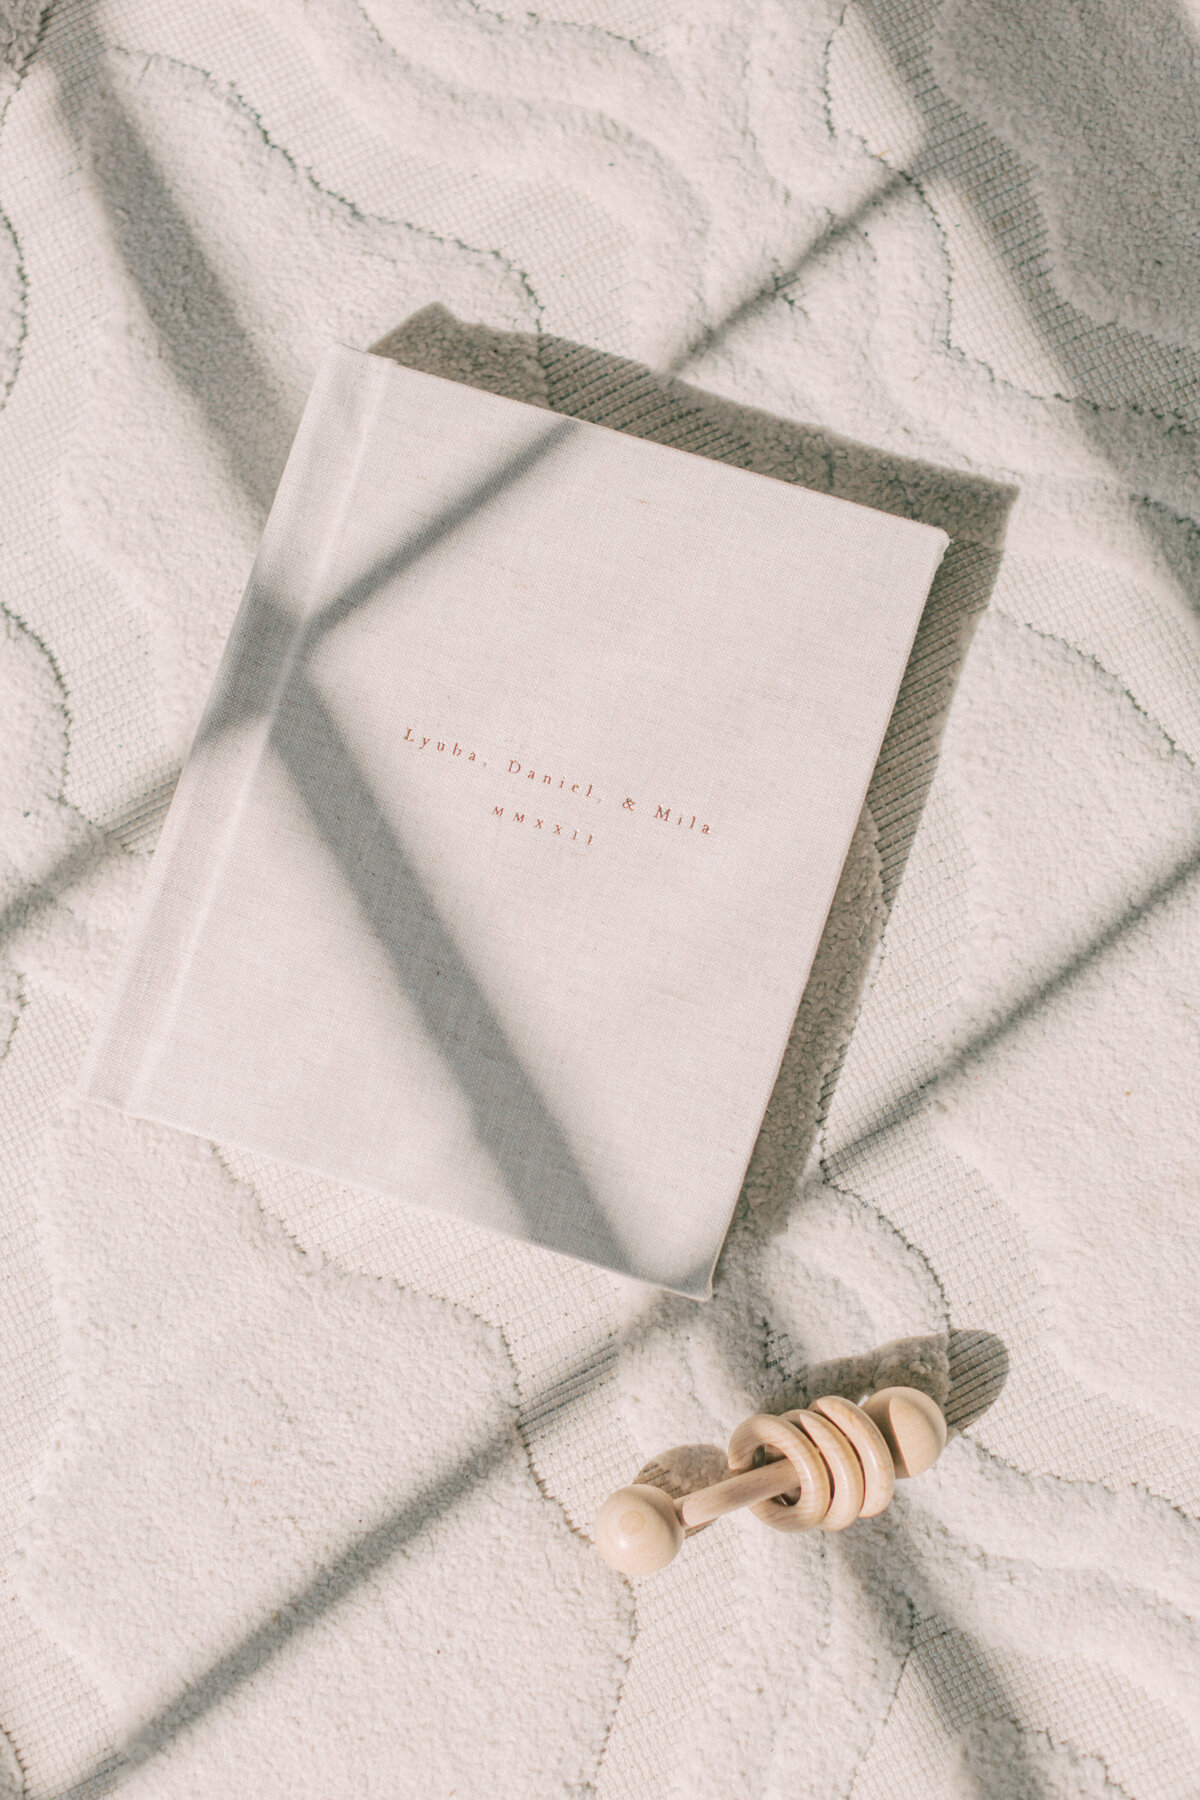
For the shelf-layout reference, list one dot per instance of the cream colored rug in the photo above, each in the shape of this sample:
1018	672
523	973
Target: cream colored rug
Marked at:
294	1485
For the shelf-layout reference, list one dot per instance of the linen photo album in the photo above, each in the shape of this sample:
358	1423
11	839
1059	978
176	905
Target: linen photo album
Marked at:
497	867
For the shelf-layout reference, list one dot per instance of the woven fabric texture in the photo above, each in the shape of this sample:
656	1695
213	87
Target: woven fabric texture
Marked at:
295	1483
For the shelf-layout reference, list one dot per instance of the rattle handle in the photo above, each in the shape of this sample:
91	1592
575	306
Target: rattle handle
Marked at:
736	1491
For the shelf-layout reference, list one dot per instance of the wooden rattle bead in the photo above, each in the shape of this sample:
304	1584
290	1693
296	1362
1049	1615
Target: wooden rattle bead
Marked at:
638	1530
875	1459
912	1425
845	1470
811	1476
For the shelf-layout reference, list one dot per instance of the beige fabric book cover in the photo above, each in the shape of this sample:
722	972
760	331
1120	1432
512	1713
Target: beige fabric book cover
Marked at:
499	862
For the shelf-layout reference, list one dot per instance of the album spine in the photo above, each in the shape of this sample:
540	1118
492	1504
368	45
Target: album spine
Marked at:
287	584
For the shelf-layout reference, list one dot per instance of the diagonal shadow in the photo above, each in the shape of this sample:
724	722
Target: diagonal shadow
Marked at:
914	1094
604	389
267	645
262	666
1086	354
880	1553
210	319
976	1689
364	1556
207	346
980	1042
250	681
510	1117
181	336
129	830
212	357
372	1549
999	188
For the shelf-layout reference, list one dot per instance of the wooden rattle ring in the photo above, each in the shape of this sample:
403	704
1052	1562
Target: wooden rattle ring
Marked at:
809	1507
869	1446
845	1470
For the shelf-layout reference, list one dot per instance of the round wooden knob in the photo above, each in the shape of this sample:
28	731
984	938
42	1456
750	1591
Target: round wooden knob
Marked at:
912	1425
638	1530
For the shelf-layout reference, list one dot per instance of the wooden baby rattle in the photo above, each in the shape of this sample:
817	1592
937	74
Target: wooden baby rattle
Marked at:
826	1465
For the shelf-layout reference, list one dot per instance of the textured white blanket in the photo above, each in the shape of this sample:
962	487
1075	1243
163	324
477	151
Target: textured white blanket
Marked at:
294	1485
